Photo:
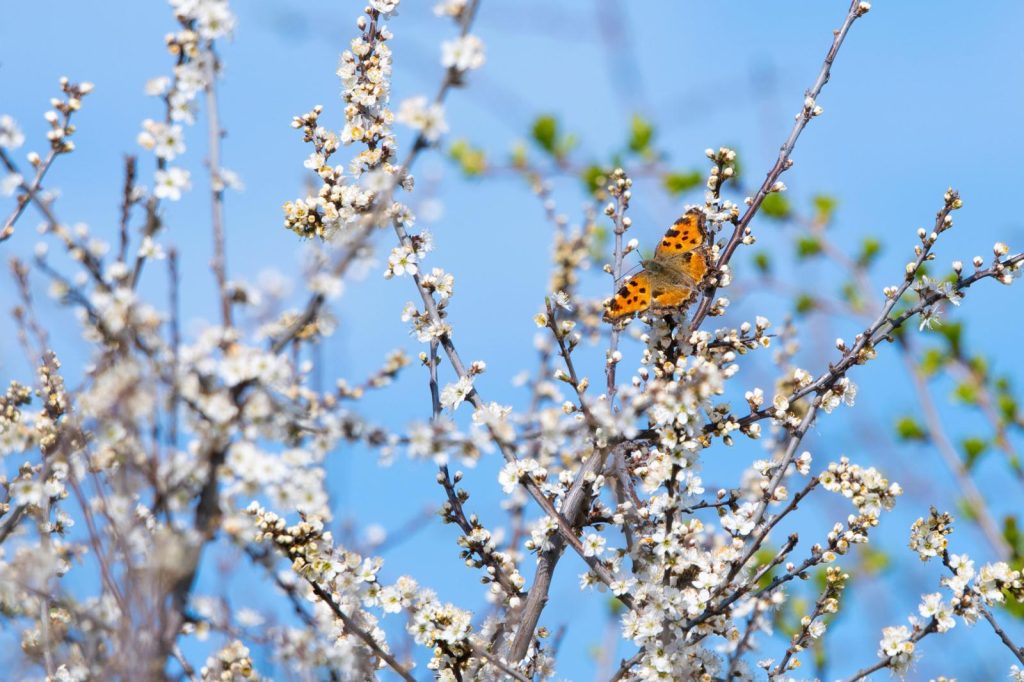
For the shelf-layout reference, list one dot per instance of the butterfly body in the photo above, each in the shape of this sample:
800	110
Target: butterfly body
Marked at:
671	278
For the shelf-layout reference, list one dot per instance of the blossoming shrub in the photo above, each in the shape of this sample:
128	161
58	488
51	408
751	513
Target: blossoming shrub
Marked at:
166	442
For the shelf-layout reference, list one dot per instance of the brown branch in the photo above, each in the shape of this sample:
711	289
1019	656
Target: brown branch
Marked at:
626	666
215	135
576	502
783	162
359	632
622	202
884	325
1017	651
951	459
919	634
30	191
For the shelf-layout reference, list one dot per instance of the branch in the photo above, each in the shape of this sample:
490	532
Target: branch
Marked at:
576	502
354	628
886	323
621	225
952	460
783	163
919	634
218	264
1016	650
769	494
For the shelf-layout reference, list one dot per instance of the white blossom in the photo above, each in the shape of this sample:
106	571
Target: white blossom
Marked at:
463	54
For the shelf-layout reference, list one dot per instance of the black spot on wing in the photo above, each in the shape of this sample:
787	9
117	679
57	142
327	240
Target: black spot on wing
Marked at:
672	233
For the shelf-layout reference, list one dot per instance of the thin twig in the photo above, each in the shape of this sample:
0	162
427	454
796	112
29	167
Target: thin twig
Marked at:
919	634
359	632
783	161
1017	651
214	136
979	508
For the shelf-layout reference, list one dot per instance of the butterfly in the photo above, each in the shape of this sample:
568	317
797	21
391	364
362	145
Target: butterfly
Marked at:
672	277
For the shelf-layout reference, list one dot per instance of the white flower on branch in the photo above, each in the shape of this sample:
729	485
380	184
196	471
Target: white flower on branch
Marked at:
932	606
214	19
164	140
450	8
171	183
741	522
157	87
453	395
427	118
9	183
150	248
593	545
11	136
384	6
898	647
843	391
463	54
402	261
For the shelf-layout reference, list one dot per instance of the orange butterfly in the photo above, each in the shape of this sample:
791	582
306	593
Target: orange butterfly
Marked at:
671	278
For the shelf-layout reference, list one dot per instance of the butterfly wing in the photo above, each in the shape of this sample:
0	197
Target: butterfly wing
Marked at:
632	297
680	261
685	235
672	296
695	265
677	269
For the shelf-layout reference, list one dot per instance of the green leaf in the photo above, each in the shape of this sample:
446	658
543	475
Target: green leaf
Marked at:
472	160
545	132
979	365
594	178
824	207
1007	407
952	332
870	248
641	133
763	557
805	303
966	510
907	428
1015	539
973	448
807	247
966	392
763	263
873	561
776	206
679	182
851	294
933	360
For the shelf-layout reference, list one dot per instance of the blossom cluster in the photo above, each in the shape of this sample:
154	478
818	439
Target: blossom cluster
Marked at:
176	441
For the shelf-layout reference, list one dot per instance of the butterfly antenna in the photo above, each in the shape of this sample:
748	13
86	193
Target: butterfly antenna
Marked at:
629	273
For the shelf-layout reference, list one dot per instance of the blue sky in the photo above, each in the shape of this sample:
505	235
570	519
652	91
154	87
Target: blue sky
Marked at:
923	96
